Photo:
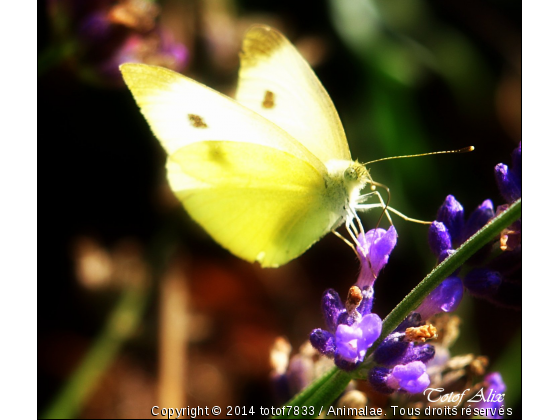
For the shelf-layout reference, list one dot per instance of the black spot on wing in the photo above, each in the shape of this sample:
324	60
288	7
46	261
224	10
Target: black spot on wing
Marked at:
197	121
268	101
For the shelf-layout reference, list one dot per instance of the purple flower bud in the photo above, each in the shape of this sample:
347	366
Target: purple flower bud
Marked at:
352	341
411	377
377	246
323	341
451	214
508	184
378	379
392	350
395	351
421	353
439	238
332	308
482	215
444	298
482	282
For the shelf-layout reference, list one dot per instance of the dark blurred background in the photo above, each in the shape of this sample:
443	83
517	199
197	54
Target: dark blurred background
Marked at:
140	307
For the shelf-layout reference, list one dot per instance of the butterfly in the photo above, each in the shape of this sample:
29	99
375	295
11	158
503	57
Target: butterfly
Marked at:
267	174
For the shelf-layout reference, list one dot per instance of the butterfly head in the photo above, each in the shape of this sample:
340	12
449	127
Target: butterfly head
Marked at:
356	176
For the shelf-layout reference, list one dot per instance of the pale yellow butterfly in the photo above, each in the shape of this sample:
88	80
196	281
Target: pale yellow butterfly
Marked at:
267	174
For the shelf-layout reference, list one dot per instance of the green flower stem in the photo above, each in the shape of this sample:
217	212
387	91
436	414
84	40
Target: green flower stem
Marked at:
121	324
322	392
330	391
318	396
491	230
313	388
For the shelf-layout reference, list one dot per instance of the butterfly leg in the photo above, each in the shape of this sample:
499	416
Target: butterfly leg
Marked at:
351	228
347	242
354	231
363	197
355	216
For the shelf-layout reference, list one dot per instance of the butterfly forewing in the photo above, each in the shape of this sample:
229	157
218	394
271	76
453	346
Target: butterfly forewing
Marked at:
181	111
276	82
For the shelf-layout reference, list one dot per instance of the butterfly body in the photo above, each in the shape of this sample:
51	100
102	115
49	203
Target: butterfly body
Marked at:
267	174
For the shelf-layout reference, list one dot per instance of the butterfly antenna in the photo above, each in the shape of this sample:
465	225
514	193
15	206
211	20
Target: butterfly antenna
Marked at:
463	150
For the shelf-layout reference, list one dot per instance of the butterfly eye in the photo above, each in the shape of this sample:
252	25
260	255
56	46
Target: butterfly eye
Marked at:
350	174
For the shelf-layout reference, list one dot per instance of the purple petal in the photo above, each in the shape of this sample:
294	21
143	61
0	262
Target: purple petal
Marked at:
378	245
352	341
371	328
411	377
347	338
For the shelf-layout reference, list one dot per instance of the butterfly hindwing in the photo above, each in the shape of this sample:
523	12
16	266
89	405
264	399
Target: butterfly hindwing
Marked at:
261	203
